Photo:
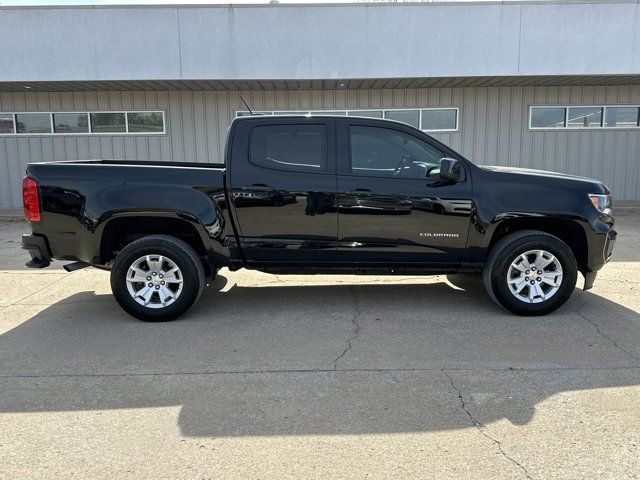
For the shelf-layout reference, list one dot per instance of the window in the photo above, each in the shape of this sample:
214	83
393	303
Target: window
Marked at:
578	117
439	119
33	123
547	117
426	119
70	123
297	148
410	117
365	113
6	123
145	122
584	117
338	113
624	117
377	151
82	123
108	123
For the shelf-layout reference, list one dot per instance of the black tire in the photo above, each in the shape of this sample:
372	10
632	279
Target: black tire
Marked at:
180	253
506	250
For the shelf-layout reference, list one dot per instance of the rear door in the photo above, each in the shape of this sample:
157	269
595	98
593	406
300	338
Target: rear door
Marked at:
283	189
393	208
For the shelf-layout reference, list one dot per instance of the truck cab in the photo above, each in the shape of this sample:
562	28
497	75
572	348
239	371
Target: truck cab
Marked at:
352	192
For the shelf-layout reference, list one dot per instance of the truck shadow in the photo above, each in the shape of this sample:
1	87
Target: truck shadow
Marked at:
319	359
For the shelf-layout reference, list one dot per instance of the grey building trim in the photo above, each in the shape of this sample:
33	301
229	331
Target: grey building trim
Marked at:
294	42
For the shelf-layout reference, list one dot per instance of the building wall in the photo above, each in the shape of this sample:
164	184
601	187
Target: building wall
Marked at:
322	41
493	128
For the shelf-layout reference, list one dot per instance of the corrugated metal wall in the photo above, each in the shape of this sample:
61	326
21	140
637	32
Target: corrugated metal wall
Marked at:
493	128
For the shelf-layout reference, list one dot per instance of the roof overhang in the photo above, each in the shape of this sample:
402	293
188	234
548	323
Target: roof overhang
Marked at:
327	84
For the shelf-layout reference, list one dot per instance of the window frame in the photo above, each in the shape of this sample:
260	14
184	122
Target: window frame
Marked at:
20	134
53	123
566	126
350	172
566	117
352	113
15	127
53	133
325	167
604	117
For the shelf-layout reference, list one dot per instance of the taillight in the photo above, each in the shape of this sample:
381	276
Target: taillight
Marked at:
30	200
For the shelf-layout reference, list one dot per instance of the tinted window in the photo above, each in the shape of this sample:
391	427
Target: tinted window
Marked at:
340	113
385	152
547	117
621	116
6	123
366	113
70	123
445	119
145	122
33	123
108	123
410	117
300	148
584	117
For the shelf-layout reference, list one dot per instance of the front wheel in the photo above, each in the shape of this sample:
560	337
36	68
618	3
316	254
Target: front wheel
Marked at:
157	278
530	273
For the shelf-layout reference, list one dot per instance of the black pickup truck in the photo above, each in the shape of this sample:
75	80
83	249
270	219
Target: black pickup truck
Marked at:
319	194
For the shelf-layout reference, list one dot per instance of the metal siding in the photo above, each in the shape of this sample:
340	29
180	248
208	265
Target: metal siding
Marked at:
493	127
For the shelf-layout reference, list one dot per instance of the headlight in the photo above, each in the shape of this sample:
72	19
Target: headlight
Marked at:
601	202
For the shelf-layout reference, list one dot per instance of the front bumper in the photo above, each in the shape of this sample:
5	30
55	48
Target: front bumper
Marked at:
609	244
37	248
602	251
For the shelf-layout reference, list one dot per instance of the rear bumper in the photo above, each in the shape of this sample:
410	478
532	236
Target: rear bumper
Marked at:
37	248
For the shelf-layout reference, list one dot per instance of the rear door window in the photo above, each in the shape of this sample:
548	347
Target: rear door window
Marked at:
294	148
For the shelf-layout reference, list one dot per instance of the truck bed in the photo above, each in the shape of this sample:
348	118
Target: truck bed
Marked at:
83	199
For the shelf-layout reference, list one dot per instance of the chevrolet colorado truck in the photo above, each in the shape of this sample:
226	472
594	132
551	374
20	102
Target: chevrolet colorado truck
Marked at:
331	195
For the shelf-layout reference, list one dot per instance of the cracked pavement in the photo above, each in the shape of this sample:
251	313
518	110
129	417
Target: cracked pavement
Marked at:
318	376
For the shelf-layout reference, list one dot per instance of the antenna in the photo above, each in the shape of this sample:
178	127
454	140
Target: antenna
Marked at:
245	104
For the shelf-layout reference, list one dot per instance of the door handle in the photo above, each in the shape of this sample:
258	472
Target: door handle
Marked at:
258	187
360	191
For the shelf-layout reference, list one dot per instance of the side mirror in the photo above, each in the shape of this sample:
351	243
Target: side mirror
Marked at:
449	170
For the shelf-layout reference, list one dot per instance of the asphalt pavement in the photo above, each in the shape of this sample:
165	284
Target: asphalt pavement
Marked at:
318	377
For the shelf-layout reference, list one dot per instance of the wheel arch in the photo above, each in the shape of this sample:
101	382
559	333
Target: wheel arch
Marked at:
567	230
121	230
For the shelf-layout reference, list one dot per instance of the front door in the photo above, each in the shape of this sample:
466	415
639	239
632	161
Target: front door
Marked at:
283	190
393	207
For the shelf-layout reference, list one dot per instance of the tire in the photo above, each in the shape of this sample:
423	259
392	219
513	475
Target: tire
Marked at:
519	250
183	286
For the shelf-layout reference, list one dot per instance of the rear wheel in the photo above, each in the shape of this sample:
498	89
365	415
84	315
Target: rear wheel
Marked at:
530	273
157	278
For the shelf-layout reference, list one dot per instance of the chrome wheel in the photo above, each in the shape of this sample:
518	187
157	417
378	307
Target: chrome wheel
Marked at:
154	281
534	276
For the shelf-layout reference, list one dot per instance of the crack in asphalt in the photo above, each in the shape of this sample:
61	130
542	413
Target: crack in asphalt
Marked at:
356	327
602	334
482	428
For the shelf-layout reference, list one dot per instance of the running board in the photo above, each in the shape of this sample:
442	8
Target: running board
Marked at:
72	267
